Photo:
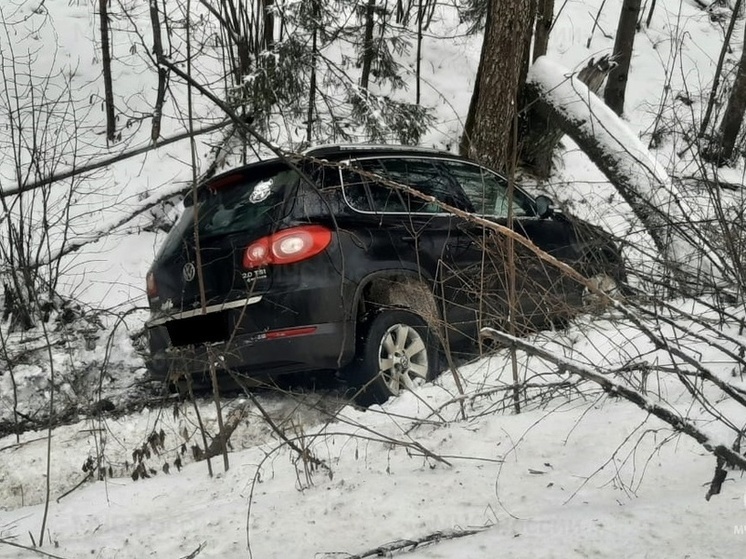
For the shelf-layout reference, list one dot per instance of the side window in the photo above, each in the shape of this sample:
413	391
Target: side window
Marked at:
487	191
315	191
365	193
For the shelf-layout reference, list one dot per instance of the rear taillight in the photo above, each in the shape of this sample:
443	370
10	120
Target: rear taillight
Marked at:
150	286
287	246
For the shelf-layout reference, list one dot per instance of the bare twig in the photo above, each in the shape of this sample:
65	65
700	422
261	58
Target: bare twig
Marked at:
388	549
30	549
87	477
109	160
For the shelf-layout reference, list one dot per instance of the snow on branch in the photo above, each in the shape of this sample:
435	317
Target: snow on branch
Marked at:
635	172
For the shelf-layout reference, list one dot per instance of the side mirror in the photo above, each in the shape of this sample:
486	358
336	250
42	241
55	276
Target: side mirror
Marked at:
544	206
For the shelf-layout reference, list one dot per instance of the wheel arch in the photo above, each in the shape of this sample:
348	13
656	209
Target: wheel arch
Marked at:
398	289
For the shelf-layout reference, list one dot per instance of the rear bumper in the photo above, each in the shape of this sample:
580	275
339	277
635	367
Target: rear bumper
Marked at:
309	327
260	355
261	336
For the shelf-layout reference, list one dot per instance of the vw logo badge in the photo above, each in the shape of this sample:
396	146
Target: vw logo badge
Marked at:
189	271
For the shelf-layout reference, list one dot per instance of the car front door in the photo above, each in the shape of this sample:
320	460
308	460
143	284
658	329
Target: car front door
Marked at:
513	282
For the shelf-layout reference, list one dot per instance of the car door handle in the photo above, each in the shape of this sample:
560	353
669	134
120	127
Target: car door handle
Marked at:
409	239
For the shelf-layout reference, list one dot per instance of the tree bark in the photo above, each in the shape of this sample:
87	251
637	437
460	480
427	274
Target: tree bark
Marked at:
367	44
616	87
111	125
487	135
733	116
160	99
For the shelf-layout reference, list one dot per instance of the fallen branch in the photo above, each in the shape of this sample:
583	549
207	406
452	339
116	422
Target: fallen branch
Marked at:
627	163
196	552
29	548
21	443
386	550
109	160
680	424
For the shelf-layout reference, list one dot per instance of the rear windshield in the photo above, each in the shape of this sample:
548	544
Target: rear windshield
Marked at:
248	202
253	201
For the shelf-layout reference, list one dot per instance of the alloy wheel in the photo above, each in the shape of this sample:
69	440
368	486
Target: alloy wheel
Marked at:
402	358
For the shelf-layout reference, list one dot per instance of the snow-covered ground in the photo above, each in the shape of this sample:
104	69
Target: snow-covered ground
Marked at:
575	474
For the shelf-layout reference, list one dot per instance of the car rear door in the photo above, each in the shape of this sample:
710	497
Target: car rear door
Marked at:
405	231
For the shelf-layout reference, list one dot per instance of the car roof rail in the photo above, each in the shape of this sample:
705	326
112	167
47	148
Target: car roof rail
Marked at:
326	150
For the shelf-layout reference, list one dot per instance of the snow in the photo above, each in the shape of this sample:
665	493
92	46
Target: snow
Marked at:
524	476
576	474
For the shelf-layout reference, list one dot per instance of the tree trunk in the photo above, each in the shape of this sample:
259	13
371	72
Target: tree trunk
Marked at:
418	68
464	147
111	125
368	50
155	21
733	116
629	166
715	89
487	135
625	38
241	36
312	79
544	17
269	24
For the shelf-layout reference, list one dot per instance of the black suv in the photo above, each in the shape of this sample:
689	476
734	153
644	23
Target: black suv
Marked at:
358	259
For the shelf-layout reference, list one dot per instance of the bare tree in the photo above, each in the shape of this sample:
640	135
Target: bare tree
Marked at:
725	50
368	51
616	87
155	22
111	125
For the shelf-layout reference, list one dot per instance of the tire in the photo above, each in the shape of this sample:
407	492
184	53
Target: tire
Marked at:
397	352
